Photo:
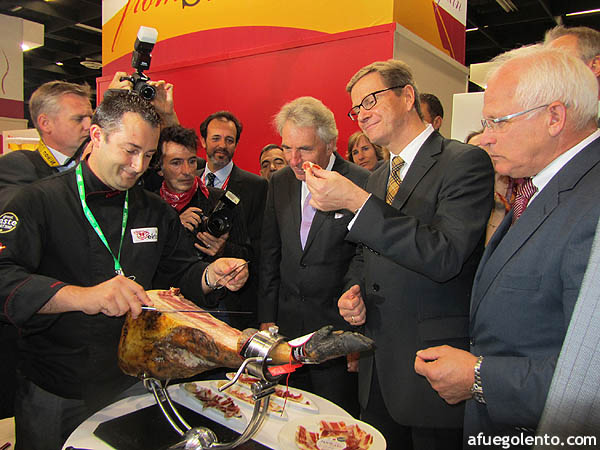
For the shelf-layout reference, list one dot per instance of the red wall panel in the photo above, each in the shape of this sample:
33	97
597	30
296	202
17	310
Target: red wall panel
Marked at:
255	84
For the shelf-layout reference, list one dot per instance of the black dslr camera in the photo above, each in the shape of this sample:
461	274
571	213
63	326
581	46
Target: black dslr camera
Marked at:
140	61
220	220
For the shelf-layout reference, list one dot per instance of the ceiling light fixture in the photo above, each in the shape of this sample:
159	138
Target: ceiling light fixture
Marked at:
579	13
471	29
91	64
88	27
59	63
507	5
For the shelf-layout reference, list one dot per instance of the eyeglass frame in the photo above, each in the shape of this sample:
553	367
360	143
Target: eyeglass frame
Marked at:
487	123
374	94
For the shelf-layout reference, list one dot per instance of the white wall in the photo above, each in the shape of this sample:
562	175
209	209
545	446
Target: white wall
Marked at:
433	70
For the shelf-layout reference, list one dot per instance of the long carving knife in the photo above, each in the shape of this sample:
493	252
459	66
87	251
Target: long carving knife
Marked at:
199	311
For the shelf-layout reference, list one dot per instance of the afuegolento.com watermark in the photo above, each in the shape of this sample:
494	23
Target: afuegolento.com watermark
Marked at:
523	439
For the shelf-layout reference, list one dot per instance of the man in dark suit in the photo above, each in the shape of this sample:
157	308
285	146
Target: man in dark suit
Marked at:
219	135
420	249
62	114
540	124
304	253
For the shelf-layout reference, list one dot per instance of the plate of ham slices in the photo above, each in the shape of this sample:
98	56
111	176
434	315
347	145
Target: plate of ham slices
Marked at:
330	433
294	397
244	395
214	403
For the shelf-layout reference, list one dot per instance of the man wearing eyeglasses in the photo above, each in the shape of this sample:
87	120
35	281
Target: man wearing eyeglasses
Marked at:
540	125
421	223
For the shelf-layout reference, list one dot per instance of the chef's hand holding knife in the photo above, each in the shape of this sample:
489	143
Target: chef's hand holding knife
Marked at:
119	295
113	297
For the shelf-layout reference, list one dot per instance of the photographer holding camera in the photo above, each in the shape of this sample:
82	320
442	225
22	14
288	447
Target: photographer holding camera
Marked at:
162	101
210	213
159	93
213	215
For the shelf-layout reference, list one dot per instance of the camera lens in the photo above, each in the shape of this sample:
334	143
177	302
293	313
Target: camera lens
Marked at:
219	223
147	92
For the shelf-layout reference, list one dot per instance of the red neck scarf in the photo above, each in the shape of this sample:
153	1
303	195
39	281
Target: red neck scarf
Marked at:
179	200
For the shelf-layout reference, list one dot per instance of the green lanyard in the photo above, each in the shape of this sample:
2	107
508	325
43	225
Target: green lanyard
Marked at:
92	220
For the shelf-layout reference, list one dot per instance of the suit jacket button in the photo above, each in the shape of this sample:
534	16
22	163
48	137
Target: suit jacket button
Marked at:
302	266
375	287
471	342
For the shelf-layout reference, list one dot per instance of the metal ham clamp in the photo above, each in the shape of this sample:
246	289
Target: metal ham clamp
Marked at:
256	361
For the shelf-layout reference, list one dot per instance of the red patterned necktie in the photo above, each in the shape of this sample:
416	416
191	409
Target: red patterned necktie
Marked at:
395	180
524	193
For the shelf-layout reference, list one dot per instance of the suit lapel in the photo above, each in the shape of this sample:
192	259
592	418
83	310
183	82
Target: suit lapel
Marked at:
319	219
233	183
377	184
423	161
293	198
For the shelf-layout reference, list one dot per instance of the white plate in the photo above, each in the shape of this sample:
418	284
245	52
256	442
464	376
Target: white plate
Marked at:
287	435
214	413
306	405
241	401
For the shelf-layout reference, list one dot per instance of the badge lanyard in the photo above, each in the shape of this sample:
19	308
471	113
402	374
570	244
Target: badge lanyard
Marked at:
47	155
92	220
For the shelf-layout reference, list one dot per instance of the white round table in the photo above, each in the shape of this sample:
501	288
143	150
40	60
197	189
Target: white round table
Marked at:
83	436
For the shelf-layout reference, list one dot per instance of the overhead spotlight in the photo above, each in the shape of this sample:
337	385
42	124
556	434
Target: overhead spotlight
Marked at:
59	63
579	13
91	64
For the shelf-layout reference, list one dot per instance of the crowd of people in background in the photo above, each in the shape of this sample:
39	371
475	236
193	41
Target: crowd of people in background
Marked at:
463	261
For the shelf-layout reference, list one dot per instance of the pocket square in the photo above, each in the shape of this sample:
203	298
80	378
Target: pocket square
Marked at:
338	215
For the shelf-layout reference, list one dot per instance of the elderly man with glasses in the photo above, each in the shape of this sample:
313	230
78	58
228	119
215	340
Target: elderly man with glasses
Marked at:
540	125
420	225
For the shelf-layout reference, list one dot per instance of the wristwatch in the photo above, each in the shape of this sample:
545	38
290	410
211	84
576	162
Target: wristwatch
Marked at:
477	388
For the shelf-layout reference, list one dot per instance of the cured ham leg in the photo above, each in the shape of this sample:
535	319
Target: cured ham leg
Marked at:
183	344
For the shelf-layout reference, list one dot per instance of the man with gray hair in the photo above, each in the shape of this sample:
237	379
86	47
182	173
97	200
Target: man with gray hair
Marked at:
584	42
540	124
62	113
304	256
421	224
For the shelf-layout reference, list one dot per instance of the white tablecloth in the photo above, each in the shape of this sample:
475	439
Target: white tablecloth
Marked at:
83	436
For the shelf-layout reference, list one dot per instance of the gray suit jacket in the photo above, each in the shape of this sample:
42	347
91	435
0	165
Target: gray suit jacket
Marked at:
573	403
524	293
416	270
299	289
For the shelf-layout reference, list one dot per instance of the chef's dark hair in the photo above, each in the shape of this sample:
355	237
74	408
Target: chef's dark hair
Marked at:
109	113
179	135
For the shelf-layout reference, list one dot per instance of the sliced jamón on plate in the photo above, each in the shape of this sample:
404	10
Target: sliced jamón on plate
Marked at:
295	398
213	401
245	396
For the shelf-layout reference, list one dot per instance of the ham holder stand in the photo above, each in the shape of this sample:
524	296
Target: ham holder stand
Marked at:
256	360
